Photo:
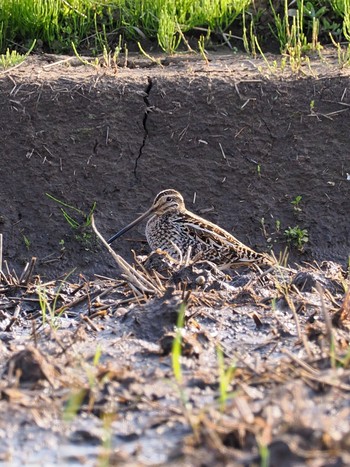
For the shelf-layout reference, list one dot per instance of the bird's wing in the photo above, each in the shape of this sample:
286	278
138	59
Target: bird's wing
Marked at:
219	238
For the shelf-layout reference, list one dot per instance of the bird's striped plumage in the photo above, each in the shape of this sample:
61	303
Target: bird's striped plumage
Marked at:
172	228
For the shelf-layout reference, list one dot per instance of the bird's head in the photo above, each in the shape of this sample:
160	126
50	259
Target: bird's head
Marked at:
165	202
168	201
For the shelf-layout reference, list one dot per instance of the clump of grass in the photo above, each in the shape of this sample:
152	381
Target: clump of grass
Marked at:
168	36
12	58
290	32
297	236
82	223
96	24
342	8
264	455
342	52
56	24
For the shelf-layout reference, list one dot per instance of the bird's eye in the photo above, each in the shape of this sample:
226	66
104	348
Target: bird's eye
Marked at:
168	199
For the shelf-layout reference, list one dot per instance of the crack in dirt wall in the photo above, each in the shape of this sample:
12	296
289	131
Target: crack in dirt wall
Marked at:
148	109
76	136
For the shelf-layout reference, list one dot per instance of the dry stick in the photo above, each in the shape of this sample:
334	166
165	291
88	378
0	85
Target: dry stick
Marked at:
102	294
13	319
331	298
28	271
34	333
184	38
327	381
71	304
134	276
328	324
24	299
301	363
160	285
224	35
10	280
90	323
0	254
59	62
301	336
12	68
134	279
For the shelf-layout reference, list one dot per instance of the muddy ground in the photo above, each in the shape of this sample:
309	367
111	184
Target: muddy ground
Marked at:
87	372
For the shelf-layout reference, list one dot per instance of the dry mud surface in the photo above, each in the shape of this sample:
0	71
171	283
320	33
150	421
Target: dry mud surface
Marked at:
88	376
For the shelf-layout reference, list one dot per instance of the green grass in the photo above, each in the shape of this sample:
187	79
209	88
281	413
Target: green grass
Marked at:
98	26
107	27
94	24
13	58
80	223
225	377
176	351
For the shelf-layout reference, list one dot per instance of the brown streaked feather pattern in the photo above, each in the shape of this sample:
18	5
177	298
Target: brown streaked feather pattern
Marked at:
172	227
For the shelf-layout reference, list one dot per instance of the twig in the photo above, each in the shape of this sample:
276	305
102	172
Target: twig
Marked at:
27	272
0	254
71	304
12	68
224	35
91	324
301	336
134	277
328	324
184	38
327	381
59	62
13	319
301	363
24	299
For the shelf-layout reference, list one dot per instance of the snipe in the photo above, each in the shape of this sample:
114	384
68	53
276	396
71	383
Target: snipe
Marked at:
172	228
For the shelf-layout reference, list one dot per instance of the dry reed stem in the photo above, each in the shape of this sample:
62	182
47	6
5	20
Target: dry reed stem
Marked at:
327	319
301	335
134	277
0	254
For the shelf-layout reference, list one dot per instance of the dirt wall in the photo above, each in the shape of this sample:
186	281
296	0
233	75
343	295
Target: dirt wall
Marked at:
241	145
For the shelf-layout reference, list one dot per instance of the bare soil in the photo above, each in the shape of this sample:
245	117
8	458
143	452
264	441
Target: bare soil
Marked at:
90	380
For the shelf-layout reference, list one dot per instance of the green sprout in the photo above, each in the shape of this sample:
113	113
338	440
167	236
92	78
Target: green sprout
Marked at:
26	241
75	222
296	203
297	236
225	378
176	347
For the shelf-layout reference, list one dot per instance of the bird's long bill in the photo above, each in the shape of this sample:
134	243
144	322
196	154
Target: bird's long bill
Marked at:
130	226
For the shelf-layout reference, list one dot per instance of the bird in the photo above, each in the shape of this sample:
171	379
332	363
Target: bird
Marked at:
176	231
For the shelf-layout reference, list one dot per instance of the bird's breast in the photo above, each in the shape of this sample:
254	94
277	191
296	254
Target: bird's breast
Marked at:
166	231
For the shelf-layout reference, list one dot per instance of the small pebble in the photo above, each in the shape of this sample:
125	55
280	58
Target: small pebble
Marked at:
200	280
